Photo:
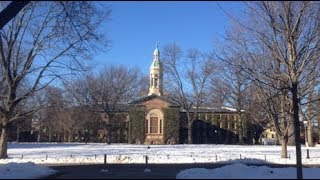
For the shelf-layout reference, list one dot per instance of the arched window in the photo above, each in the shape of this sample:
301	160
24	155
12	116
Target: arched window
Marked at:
156	80
147	126
151	79
153	124
160	124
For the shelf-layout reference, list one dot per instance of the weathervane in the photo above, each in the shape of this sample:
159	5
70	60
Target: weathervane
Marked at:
157	44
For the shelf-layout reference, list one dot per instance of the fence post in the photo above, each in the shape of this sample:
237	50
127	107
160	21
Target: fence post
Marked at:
308	157
105	159
265	157
95	156
46	156
146	160
71	155
240	156
146	169
22	156
216	158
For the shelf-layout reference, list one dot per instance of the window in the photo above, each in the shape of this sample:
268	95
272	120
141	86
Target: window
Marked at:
160	126
153	124
232	125
151	80
218	121
147	126
156	80
272	135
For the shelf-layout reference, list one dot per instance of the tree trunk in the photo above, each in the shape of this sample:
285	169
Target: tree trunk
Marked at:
4	143
189	130
65	136
69	136
108	128
295	109
18	133
284	145
310	134
291	140
277	139
50	136
256	138
108	133
240	129
311	110
39	135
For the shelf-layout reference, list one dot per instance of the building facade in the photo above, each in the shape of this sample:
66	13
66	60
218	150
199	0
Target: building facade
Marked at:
157	119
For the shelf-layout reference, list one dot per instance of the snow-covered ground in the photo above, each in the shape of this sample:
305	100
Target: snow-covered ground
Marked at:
24	171
243	171
22	157
93	153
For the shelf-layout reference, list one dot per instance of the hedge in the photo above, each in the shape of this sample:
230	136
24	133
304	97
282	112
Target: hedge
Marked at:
171	126
137	117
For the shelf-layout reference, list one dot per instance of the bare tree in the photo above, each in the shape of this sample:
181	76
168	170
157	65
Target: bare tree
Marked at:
256	114
38	45
143	85
232	87
187	79
108	93
55	118
11	11
38	102
283	37
309	102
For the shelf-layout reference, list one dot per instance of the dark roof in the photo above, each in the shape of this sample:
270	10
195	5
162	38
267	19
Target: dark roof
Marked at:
147	98
214	110
124	107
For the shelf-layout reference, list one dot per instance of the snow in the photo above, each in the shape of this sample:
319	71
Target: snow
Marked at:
24	155
104	170
243	171
27	170
230	108
93	153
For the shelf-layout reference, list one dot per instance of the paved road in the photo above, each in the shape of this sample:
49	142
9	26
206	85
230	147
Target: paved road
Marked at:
128	171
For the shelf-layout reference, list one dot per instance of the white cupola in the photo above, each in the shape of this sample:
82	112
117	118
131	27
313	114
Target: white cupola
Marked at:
155	74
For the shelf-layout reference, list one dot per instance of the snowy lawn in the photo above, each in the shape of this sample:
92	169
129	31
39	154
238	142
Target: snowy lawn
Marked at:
22	157
243	171
93	153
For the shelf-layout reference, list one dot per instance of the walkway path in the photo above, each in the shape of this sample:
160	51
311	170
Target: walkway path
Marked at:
128	171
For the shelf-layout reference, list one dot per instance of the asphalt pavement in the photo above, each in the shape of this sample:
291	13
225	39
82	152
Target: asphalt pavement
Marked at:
130	171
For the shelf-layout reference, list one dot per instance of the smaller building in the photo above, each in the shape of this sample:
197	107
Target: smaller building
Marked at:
268	137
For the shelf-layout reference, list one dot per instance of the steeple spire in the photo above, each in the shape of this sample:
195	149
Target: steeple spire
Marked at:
156	73
156	52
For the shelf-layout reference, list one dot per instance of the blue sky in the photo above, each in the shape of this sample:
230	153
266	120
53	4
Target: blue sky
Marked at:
135	27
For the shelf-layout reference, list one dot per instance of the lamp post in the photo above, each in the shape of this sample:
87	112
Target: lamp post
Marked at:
216	137
306	133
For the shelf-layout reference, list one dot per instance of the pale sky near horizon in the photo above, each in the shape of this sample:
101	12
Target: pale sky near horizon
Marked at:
134	27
